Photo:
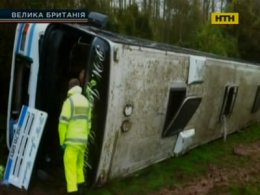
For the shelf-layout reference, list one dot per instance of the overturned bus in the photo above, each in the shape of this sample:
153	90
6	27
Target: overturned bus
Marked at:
155	100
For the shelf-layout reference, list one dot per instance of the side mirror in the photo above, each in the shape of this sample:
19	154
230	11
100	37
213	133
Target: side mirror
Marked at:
97	19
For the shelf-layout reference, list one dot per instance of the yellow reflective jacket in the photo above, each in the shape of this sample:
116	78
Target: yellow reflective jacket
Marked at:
74	122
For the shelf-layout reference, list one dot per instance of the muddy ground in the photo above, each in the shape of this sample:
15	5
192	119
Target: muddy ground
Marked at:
42	183
216	181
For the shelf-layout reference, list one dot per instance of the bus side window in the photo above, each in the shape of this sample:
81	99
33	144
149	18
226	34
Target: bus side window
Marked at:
180	109
229	100
78	57
21	83
256	104
183	116
176	97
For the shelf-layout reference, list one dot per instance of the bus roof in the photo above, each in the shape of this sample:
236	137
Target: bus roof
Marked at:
135	41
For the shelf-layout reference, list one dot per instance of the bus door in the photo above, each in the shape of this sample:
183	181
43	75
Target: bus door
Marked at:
97	70
23	69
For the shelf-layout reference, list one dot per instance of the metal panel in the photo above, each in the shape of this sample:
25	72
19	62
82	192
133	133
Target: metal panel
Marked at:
196	70
184	141
24	147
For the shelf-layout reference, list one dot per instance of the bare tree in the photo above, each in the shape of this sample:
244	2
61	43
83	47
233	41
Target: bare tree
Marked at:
206	9
212	5
124	5
149	7
221	5
120	2
144	4
164	9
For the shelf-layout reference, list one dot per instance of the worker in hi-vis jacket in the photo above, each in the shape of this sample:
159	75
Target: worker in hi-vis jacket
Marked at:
74	129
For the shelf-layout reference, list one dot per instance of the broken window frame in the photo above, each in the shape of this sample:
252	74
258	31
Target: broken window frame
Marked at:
175	127
256	104
229	101
175	100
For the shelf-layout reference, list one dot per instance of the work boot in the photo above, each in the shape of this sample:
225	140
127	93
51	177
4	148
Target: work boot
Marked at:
73	193
82	187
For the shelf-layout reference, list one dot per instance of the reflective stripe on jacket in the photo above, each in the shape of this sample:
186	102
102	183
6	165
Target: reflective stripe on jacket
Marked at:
74	121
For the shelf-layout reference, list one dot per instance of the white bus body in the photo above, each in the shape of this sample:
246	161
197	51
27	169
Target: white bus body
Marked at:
151	94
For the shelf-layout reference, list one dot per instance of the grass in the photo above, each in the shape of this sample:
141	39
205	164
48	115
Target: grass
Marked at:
245	189
178	171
